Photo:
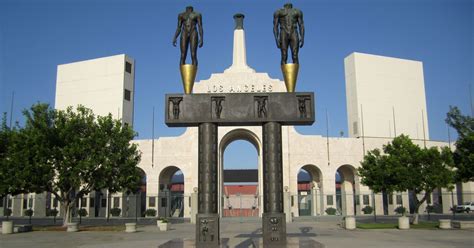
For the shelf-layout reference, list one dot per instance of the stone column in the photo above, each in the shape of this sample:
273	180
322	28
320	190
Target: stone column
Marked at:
274	225
207	226
39	206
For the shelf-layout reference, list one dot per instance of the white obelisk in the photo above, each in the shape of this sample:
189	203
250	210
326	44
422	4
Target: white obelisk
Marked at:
239	61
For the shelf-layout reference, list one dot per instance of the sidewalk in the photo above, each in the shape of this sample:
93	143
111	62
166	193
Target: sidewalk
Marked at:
328	234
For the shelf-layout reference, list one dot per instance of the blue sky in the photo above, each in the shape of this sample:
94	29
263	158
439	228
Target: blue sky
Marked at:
36	36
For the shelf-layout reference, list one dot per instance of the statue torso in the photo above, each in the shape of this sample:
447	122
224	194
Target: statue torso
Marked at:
288	19
189	20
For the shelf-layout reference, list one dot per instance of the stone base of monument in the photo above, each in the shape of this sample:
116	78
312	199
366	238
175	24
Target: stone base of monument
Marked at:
274	229
207	230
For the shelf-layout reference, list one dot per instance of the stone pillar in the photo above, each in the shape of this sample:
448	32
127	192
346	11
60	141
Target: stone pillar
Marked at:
207	227
17	205
347	197
274	225
194	207
287	202
467	191
449	198
378	200
39	205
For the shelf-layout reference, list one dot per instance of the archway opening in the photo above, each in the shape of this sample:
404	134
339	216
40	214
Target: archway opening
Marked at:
171	192
346	198
309	191
240	159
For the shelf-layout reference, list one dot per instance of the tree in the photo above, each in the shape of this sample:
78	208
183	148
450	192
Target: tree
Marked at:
5	139
405	166
15	177
464	154
75	153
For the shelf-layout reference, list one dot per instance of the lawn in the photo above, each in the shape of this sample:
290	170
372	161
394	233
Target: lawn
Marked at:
420	225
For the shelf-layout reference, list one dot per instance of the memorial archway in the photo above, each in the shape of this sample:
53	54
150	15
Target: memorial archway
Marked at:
245	200
346	190
171	192
309	190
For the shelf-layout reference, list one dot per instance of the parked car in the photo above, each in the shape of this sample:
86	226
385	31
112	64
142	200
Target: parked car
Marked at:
466	207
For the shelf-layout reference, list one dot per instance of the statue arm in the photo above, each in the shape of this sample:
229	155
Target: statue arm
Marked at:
201	32
178	30
275	29
301	28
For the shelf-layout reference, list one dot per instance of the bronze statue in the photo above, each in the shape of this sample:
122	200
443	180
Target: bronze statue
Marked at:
187	22
289	20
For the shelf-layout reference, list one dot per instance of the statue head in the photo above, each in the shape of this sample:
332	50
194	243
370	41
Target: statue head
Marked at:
189	8
288	5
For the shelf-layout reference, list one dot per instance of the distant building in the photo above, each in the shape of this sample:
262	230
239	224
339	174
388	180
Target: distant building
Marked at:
105	85
385	97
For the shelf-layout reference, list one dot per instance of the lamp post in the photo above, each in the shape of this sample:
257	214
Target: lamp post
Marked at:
240	208
452	203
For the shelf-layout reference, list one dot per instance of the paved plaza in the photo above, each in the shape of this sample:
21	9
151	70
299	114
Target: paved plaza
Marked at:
235	234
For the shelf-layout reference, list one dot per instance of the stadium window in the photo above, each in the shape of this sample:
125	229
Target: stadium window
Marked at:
128	67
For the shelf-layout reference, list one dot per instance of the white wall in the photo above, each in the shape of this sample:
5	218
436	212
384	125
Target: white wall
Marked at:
386	89
97	84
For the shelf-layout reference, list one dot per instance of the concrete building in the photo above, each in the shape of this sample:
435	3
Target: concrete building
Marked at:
385	97
105	85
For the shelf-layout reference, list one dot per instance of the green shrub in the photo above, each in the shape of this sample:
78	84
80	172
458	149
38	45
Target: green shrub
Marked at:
52	212
400	210
163	219
7	212
115	211
82	212
331	211
29	212
150	212
435	208
367	210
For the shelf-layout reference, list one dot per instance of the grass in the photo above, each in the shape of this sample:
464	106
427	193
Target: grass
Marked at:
120	228
420	225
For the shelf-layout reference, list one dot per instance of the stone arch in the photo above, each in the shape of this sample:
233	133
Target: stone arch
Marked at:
310	197
347	201
231	136
171	202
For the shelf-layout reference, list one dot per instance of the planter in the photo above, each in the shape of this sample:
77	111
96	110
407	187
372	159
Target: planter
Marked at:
130	227
164	226
350	223
72	227
403	223
7	227
444	224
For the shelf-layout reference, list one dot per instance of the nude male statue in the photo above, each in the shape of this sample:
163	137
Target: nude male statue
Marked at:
187	22
286	22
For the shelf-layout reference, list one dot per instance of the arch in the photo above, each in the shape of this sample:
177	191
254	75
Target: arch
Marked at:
310	195
166	175
240	134
347	202
347	173
228	138
171	202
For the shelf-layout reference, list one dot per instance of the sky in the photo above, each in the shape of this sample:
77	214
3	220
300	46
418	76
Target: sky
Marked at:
38	35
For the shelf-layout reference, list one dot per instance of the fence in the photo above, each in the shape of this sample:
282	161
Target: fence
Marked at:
177	205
